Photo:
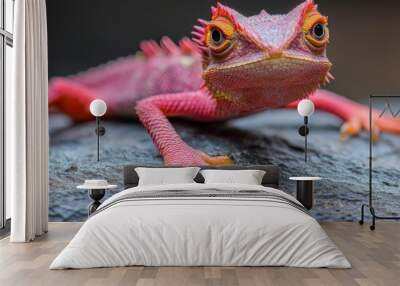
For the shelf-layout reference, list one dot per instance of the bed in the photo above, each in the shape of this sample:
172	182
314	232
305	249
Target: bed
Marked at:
197	224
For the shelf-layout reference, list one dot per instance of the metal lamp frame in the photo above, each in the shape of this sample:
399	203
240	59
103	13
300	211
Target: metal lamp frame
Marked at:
370	205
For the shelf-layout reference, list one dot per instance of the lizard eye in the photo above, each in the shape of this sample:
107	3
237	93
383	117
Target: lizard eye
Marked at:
318	31
220	38
216	36
317	36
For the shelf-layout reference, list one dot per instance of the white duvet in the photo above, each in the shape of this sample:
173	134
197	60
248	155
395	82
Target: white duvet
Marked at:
200	231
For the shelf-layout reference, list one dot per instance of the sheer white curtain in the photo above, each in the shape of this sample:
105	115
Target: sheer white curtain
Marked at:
27	124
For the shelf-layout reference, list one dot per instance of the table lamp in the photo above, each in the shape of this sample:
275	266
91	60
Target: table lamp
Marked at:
98	108
305	108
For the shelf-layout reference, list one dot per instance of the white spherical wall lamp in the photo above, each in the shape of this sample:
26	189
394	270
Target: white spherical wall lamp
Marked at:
98	107
305	108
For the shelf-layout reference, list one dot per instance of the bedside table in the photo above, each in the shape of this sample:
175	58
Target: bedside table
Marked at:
305	190
96	191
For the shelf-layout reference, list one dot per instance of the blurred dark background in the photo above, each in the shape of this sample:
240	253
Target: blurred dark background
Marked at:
364	45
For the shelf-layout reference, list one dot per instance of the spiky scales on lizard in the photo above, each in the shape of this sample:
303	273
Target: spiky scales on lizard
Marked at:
235	66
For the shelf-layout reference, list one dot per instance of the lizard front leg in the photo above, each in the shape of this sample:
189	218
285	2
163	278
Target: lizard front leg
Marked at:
153	113
354	115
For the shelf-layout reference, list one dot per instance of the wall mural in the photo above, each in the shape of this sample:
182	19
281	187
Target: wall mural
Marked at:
226	96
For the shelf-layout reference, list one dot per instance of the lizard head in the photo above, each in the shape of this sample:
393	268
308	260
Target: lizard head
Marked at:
275	58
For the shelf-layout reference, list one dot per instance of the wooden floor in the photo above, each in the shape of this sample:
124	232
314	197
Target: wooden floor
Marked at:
375	257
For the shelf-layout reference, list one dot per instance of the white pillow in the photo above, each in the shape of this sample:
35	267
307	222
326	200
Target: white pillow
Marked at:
247	177
166	176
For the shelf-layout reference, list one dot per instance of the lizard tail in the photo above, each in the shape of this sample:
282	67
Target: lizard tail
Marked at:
70	98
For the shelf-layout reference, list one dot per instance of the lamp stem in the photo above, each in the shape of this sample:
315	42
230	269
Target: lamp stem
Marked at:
98	137
305	138
305	148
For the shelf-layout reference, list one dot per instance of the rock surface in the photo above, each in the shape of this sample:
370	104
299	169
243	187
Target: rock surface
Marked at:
266	138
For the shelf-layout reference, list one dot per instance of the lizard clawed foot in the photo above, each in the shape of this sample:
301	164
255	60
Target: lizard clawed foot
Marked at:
217	160
354	127
360	121
191	157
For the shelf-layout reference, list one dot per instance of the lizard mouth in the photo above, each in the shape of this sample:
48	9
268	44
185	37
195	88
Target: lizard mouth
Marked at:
282	59
285	78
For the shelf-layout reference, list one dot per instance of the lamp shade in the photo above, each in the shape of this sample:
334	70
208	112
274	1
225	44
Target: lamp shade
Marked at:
98	107
305	107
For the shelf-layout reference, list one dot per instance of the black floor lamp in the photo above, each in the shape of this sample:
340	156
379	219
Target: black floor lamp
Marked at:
370	205
98	108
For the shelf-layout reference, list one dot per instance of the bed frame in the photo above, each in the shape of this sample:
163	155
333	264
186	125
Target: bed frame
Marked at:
271	177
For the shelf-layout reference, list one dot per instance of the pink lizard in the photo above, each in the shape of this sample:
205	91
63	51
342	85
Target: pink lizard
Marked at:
238	66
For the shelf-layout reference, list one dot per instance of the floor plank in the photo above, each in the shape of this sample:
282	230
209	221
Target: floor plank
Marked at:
375	257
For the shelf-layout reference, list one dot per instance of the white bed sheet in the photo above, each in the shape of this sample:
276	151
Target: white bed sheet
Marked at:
200	232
